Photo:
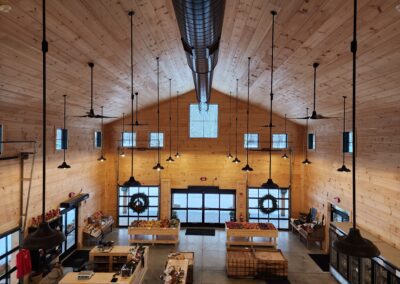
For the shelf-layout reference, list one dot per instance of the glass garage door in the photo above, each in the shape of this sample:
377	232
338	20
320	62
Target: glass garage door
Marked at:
210	207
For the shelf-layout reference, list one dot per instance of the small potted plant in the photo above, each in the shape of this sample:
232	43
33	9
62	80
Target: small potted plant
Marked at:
232	216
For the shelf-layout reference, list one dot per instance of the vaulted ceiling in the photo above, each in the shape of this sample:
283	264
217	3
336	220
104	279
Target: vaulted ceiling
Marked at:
80	31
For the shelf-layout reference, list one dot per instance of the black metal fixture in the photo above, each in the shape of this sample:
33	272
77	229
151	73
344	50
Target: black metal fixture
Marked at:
354	244
229	155
64	164
177	154
270	183
236	160
102	158
285	156
306	161
200	24
247	167
343	168
44	237
91	113
170	159
158	167
122	154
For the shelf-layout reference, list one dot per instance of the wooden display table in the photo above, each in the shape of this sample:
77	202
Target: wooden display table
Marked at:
139	235
189	255
181	264
312	235
245	237
113	260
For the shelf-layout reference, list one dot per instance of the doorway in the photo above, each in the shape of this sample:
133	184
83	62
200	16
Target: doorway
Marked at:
203	206
69	217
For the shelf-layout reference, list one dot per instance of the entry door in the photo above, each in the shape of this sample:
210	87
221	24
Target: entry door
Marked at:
70	230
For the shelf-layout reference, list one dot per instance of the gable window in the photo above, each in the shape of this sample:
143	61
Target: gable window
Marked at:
203	122
279	141
61	139
347	142
250	140
98	139
311	141
156	140
1	139
9	246
129	139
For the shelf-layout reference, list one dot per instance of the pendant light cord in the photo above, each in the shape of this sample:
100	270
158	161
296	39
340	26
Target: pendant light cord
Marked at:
102	132
131	13
177	122
236	119
286	133
91	65
137	106
132	135
248	112
170	119
65	111
123	130
45	49
344	122
158	109
230	123
272	93
315	83
307	134
354	51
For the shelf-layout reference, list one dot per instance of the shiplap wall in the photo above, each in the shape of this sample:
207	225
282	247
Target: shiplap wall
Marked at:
86	172
203	157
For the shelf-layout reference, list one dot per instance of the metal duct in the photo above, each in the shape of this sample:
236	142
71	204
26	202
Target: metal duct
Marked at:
200	24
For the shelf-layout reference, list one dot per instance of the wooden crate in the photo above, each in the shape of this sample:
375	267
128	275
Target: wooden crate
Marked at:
245	237
156	235
240	263
271	264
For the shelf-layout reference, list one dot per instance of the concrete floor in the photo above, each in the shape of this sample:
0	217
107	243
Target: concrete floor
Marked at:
209	263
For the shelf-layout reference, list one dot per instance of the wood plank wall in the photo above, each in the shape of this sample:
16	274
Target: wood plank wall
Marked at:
378	169
86	172
203	157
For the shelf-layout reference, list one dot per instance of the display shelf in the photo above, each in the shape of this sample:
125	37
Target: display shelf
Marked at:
189	255
245	237
155	235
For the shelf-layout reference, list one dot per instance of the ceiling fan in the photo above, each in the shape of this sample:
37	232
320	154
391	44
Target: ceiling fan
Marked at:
314	114
91	113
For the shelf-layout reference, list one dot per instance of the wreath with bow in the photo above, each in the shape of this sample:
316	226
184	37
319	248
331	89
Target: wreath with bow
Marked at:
268	210
139	202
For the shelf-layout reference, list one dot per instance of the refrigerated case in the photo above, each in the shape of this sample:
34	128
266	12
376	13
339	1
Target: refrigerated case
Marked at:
384	269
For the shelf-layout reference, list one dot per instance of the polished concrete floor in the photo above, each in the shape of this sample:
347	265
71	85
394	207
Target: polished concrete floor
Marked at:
209	263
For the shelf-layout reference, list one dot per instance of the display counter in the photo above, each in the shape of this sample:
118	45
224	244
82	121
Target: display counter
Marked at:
250	234
154	232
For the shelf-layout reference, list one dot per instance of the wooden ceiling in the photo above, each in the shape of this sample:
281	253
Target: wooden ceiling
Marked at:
80	31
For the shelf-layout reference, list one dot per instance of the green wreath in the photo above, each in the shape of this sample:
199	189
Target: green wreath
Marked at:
139	202
269	209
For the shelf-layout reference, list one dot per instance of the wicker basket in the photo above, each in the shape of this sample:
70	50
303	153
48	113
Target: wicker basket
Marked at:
240	263
272	264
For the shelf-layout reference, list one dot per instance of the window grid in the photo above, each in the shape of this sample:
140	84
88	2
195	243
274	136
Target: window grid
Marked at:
156	140
279	141
128	140
9	246
311	141
127	215
348	142
203	122
98	139
59	139
280	218
250	140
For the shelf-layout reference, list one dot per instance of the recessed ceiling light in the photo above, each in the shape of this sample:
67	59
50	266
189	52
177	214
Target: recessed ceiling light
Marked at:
5	8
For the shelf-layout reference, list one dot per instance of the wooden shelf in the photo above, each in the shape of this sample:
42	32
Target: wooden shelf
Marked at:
139	235
245	237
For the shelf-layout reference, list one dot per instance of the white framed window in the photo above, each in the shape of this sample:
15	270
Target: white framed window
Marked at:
279	141
98	139
128	139
311	141
156	140
250	140
203	122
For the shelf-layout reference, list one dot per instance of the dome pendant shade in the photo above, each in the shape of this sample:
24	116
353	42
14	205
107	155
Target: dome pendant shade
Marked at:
170	159
247	168
158	167
177	155
43	238
236	160
343	168
131	182
355	245
270	184
101	159
284	156
306	162
229	156
64	165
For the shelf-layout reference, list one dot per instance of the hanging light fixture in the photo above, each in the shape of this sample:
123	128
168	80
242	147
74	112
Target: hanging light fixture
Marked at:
229	156
102	158
354	244
343	168
44	237
158	167
236	160
306	161
170	159
177	155
247	167
64	164
285	156
270	183
122	154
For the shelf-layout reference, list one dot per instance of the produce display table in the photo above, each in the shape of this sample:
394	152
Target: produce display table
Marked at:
243	233
178	265
154	234
189	255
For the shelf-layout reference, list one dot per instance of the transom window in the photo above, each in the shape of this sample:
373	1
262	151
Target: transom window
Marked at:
279	141
348	142
1	139
9	246
126	215
98	139
311	141
280	217
128	139
250	140
203	122
61	139
156	140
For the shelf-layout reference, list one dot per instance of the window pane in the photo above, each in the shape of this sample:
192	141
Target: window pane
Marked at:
123	221
211	216
253	213
97	139
253	192
253	203
195	200
181	214
279	141
153	201
227	201
3	246
203	122
179	200
14	240
58	139
153	191
195	216
250	140
156	140
225	216
211	200
153	211
128	139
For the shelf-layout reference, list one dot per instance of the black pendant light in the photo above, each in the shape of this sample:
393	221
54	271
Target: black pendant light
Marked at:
354	244
229	155
64	164
306	161
158	167
236	160
247	167
170	159
343	168
285	156
102	158
270	183
122	154
44	237
177	154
